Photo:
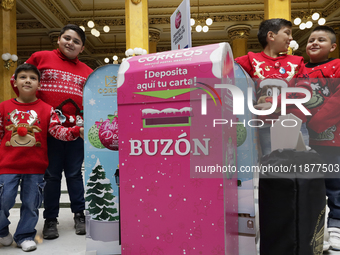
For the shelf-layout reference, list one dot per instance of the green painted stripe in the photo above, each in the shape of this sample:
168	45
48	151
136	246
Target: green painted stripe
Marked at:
166	94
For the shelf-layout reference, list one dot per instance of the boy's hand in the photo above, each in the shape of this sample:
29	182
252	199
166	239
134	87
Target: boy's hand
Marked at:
263	106
81	132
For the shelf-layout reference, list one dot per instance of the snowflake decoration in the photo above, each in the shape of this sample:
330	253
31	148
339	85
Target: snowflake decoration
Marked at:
325	91
77	80
315	86
196	182
92	102
66	77
148	207
53	76
218	250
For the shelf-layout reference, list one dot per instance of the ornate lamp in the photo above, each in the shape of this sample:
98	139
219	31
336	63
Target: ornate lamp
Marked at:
9	60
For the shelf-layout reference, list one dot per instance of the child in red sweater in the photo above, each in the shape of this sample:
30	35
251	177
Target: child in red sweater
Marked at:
324	126
63	77
24	124
273	67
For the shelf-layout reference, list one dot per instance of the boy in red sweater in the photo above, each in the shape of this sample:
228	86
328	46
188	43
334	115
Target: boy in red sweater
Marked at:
324	126
24	124
62	80
273	67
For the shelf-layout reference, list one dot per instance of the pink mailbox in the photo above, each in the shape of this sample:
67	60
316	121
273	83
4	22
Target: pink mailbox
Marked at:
178	185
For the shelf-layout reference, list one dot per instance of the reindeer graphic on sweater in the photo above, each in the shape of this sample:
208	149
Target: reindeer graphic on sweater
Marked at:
23	133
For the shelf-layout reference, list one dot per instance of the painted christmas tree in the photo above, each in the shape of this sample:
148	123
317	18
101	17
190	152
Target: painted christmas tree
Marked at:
101	205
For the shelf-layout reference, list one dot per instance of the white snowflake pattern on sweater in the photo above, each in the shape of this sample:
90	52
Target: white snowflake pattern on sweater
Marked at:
78	80
68	82
53	75
66	77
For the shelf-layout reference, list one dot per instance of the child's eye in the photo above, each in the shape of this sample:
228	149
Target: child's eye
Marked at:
288	32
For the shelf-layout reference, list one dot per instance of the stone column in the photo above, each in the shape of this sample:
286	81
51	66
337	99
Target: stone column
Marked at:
154	37
8	44
239	37
137	24
277	9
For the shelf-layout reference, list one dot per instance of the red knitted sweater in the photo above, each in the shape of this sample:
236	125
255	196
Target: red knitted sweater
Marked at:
23	136
62	81
325	103
261	66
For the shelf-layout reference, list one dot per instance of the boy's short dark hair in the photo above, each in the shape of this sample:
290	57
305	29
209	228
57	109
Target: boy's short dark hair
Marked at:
26	67
75	28
328	30
273	25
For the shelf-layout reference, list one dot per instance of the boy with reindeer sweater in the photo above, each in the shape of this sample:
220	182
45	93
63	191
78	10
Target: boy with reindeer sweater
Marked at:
24	124
270	68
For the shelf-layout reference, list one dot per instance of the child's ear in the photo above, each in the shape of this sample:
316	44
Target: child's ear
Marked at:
39	85
333	47
270	35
